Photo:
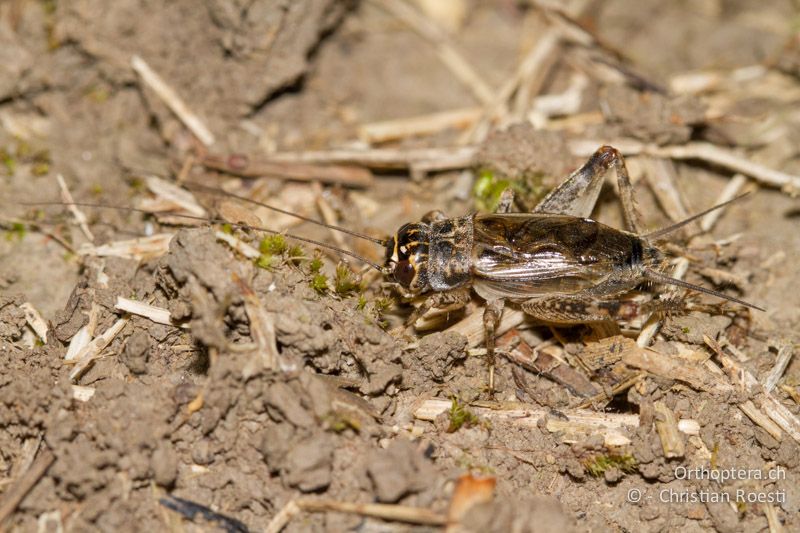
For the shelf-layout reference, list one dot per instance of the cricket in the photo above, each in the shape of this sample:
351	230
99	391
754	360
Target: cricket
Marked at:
555	263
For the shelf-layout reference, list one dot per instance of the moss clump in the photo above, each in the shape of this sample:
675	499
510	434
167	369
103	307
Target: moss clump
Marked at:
487	190
16	232
344	282
597	465
460	416
319	282
273	245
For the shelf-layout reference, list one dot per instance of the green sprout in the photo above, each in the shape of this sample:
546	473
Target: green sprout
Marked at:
267	261
315	266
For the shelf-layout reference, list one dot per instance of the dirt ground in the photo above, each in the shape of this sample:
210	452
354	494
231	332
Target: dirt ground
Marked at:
282	393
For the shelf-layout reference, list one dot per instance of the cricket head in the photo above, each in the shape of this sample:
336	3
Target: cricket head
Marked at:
407	256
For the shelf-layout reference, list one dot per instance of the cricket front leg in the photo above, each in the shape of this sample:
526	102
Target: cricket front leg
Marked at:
455	299
577	195
491	318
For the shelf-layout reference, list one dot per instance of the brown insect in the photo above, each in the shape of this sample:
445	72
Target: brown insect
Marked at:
555	263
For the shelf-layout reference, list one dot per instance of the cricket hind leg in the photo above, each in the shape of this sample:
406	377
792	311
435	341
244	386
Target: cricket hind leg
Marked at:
577	195
572	309
491	319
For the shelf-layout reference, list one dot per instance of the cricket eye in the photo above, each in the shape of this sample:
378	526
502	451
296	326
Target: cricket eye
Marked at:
404	273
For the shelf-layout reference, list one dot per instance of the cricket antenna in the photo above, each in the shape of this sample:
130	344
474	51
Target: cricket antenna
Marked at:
220	221
200	187
658	277
669	229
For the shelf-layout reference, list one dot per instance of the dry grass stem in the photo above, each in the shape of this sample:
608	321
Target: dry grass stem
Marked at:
385	511
580	421
238	245
137	249
80	218
393	130
246	167
92	351
84	335
159	315
729	193
172	100
447	52
25	483
81	393
661	175
386	158
35	321
667	428
328	215
174	196
785	354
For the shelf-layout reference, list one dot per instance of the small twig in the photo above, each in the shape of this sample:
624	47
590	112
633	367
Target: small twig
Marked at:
392	130
766	402
451	57
80	218
696	150
785	354
390	512
25	483
386	158
667	428
92	350
240	246
173	101
247	167
578	420
328	215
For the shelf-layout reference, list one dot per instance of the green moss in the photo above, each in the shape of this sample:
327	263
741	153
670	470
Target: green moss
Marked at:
296	254
315	265
273	245
8	161
319	282
597	465
487	190
460	416
227	229
344	282
267	261
16	232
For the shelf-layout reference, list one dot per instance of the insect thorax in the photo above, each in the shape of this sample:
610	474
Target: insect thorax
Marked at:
450	250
